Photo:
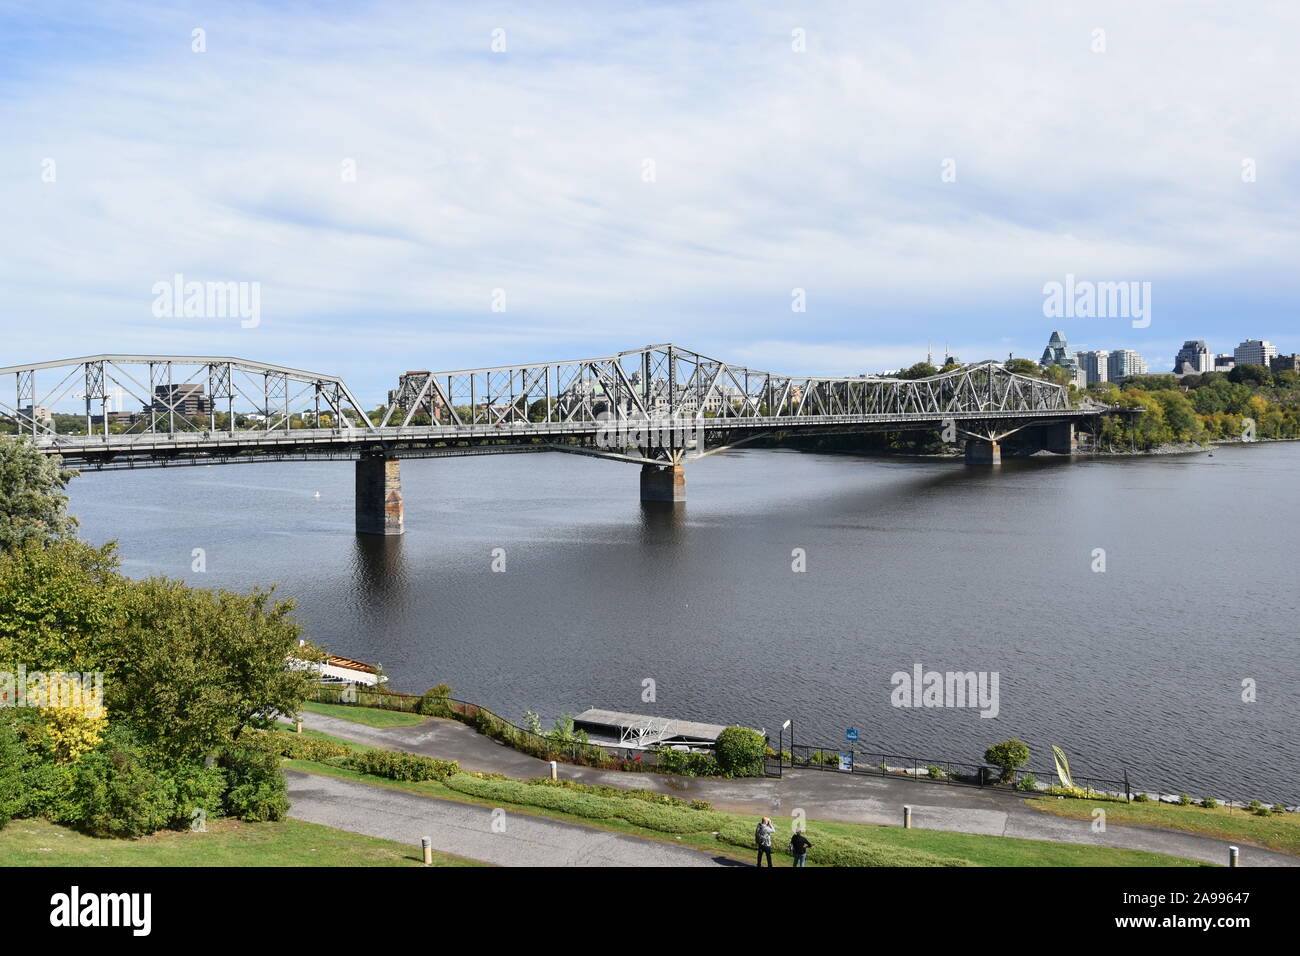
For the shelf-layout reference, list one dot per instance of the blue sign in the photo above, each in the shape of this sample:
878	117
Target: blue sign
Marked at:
851	735
846	762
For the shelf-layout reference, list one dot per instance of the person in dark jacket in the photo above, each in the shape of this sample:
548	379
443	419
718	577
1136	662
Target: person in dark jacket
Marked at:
763	839
799	845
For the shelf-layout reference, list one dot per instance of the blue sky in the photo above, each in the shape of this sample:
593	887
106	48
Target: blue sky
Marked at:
525	171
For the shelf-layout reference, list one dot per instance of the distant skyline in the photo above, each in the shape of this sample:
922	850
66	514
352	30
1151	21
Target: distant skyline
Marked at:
618	175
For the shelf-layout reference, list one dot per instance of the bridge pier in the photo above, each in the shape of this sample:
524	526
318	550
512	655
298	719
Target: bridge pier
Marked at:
667	483
379	495
979	452
1061	438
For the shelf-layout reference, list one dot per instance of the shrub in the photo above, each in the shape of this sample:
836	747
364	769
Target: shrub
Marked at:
257	789
399	765
293	746
114	793
740	752
1209	803
687	764
434	702
1185	800
649	796
1028	783
1008	755
934	772
1141	798
637	812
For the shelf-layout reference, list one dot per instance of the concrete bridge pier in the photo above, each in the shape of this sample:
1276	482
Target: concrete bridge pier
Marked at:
379	495
980	452
1061	438
666	483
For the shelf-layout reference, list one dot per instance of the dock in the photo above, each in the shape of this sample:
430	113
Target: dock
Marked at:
642	731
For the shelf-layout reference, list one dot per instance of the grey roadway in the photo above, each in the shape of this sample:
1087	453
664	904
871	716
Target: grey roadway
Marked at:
820	794
474	831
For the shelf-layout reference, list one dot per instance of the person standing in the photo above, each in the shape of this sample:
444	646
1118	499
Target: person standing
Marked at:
799	845
763	839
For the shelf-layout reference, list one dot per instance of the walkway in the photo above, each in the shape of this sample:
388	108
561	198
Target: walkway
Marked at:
822	795
467	829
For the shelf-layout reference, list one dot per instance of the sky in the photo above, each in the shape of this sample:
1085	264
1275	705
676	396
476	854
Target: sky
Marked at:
454	185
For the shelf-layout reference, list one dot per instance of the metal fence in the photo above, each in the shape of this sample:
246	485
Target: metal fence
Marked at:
1025	780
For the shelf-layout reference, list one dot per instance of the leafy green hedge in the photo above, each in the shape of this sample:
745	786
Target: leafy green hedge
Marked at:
687	764
601	790
294	746
830	850
637	812
399	765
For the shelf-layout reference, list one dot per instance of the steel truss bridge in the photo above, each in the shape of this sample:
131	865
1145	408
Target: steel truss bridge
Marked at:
658	406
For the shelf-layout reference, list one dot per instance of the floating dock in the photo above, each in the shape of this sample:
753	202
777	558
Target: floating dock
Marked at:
642	731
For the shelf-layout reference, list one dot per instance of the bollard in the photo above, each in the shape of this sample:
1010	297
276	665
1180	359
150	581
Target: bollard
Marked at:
907	817
1233	854
297	727
555	770
427	846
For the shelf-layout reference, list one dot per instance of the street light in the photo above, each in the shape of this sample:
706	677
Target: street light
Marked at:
780	759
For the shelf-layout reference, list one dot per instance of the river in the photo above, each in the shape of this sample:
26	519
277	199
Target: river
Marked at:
908	561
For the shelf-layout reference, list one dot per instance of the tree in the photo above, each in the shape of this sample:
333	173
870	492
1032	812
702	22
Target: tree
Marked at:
1021	366
1250	375
32	504
740	751
191	668
919	370
1008	755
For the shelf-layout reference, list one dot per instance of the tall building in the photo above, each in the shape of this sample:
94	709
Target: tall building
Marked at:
1057	353
1193	358
187	400
1124	362
1224	363
1254	352
1285	363
1095	365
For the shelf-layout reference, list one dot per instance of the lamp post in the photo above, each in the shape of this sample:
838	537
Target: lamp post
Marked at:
788	725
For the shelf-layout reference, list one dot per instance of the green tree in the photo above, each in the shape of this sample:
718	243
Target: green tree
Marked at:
1022	366
919	370
191	668
1008	755
740	751
32	504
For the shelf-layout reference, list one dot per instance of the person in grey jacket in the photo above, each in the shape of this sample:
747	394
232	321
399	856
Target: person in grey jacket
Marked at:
763	839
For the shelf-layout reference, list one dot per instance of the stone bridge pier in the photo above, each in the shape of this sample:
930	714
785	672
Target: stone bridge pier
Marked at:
663	483
379	495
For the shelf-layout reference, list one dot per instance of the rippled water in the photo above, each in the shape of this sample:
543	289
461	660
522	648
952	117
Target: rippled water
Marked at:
1140	667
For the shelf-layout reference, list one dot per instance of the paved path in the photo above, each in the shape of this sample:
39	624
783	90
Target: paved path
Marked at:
466	829
822	795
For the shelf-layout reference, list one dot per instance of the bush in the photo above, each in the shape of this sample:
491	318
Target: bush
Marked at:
686	764
740	752
257	790
1008	755
600	790
1141	798
1185	800
434	701
934	772
1028	783
399	765
114	793
636	812
1209	803
293	746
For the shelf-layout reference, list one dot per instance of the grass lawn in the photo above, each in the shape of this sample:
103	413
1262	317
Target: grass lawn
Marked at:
974	848
226	843
1277	831
370	716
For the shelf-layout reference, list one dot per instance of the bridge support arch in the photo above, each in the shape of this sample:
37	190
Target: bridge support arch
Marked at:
379	495
666	483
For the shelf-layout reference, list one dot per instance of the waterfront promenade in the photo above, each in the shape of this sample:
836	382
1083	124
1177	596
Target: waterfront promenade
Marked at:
821	795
